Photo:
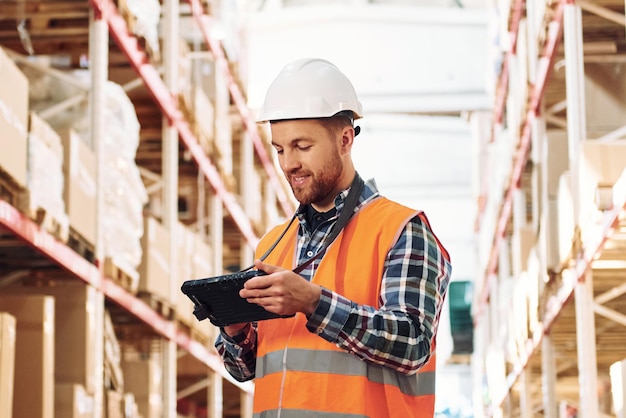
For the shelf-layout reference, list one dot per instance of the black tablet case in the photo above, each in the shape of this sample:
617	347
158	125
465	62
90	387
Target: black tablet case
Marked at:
220	297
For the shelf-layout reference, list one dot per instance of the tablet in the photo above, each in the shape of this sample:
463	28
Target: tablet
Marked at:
219	295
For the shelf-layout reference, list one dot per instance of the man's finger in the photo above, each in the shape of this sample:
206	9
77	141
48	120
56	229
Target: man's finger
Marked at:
268	268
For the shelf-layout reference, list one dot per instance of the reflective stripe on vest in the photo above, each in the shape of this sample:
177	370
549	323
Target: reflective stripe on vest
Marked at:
338	362
298	371
301	413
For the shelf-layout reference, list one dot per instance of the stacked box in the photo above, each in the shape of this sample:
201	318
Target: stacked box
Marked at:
202	266
45	171
72	401
113	405
142	378
604	161
79	188
33	395
522	241
185	239
7	363
154	270
13	120
562	222
602	165
557	160
75	327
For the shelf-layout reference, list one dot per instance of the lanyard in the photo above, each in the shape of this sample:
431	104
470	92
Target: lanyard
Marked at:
344	217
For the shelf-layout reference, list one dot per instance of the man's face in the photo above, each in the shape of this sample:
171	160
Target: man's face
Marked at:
310	157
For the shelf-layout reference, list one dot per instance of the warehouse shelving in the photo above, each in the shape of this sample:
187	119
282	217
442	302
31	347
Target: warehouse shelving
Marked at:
46	244
549	322
545	63
154	82
59	255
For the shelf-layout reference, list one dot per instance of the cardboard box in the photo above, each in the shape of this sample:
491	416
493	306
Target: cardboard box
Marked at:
202	266
185	239
7	363
13	120
131	409
604	161
194	262
113	405
557	159
75	327
33	394
154	270
79	191
522	241
39	128
562	216
72	401
45	170
605	105
142	378
201	258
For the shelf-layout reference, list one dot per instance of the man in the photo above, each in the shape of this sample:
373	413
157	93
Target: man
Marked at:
361	342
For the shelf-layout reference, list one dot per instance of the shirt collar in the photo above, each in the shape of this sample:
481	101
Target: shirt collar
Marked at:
369	193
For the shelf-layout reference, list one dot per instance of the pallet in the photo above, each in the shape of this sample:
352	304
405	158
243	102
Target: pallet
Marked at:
12	192
79	244
193	332
47	222
125	279
19	197
164	308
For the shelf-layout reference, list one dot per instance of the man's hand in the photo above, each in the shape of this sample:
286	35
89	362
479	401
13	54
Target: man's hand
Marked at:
281	291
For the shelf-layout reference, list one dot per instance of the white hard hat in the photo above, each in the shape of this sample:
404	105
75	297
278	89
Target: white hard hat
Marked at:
309	88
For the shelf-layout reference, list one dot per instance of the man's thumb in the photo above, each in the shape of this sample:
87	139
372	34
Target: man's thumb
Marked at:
268	268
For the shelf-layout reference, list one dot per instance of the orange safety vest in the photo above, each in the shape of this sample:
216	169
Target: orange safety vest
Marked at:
299	373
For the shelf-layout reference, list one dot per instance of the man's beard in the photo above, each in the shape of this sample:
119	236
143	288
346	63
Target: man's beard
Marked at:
323	185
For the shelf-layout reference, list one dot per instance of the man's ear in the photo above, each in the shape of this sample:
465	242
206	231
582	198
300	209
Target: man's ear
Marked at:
347	139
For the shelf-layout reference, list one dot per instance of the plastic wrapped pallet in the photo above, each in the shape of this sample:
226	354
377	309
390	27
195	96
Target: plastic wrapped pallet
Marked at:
124	194
45	171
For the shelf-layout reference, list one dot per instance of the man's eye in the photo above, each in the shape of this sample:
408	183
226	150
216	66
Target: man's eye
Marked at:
279	151
304	148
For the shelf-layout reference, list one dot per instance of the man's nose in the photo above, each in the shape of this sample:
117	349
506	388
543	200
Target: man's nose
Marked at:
290	161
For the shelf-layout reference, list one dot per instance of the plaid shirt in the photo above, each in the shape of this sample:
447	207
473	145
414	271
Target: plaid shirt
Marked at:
414	285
